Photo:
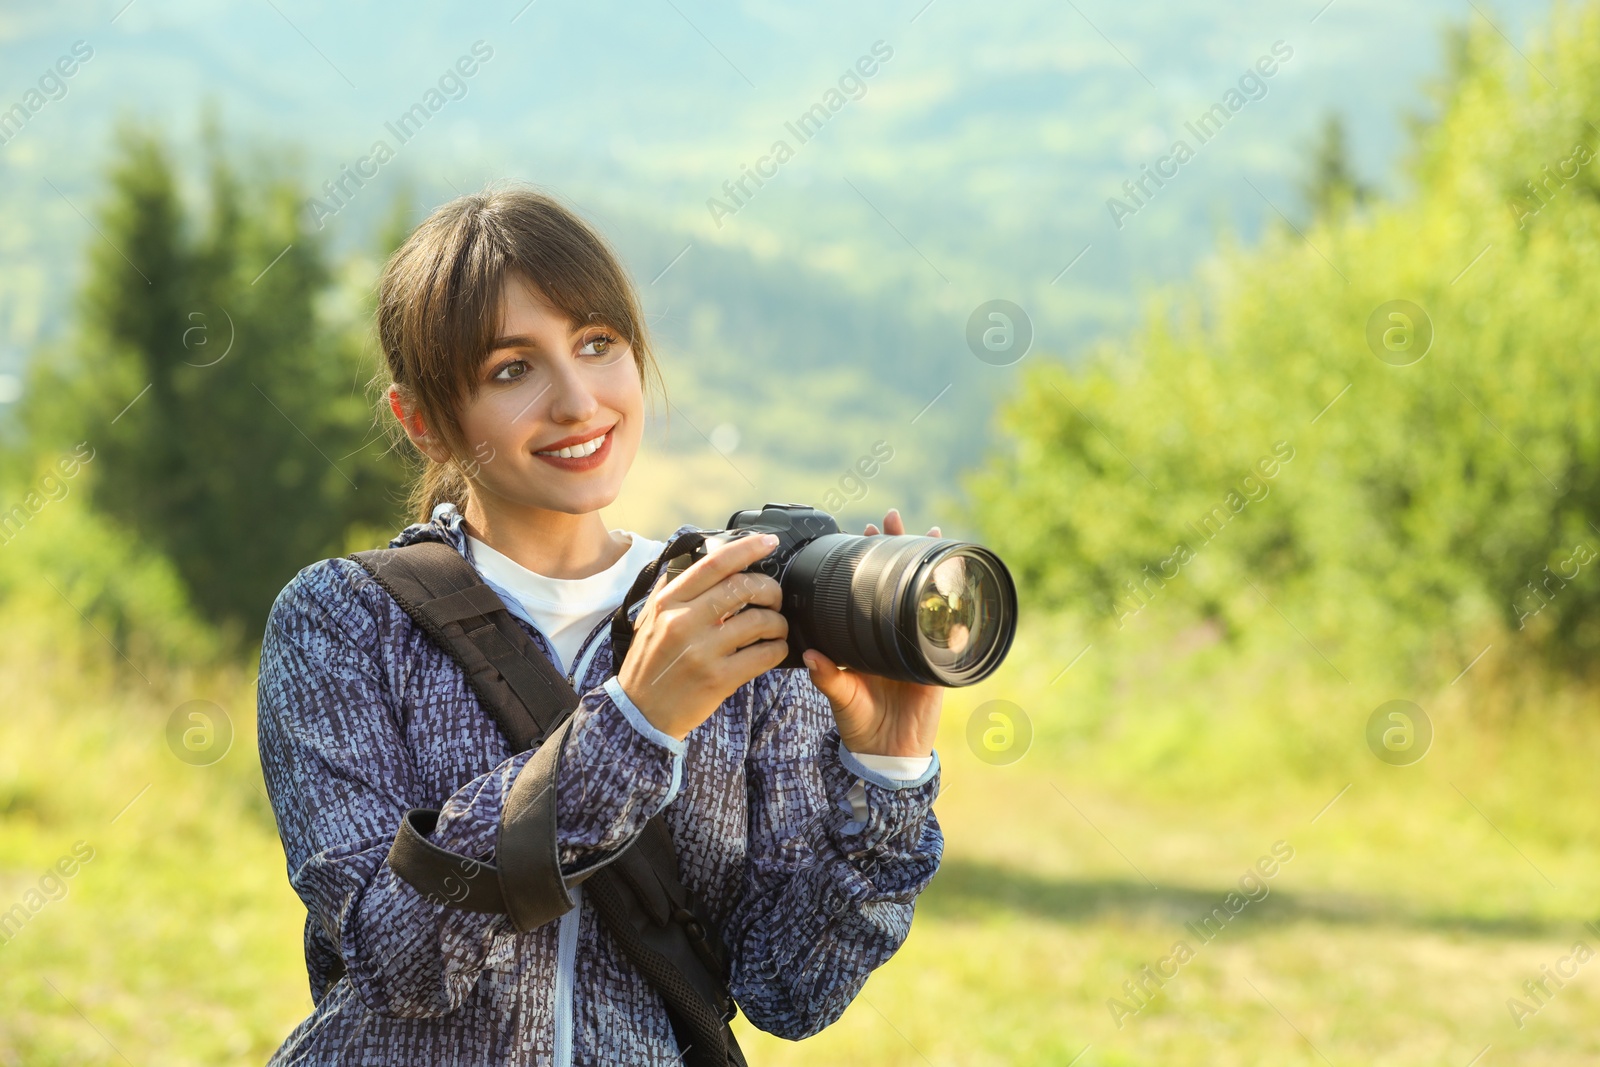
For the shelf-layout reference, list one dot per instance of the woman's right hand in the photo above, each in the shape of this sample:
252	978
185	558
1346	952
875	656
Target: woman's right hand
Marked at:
695	642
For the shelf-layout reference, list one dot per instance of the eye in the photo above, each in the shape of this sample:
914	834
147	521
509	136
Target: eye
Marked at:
511	371
599	344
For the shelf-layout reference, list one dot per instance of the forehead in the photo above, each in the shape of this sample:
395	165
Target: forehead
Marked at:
524	309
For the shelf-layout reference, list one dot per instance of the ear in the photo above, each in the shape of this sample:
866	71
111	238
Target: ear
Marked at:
411	422
396	405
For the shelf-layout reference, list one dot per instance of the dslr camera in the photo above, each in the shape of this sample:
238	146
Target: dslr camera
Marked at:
919	609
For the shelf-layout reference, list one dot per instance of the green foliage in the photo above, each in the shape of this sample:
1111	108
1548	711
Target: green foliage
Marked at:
71	576
1420	510
221	399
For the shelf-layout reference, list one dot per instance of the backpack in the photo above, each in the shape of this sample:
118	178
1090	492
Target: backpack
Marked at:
658	923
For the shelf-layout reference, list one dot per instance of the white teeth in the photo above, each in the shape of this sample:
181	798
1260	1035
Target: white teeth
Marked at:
588	448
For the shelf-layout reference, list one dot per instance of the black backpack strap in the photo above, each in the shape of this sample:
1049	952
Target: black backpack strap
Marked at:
522	690
442	876
656	921
697	1001
517	684
530	871
526	882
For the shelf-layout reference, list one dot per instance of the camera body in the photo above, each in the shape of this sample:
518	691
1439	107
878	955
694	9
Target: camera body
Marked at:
796	526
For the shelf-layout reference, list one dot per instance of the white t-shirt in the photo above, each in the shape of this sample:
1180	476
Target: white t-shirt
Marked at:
567	609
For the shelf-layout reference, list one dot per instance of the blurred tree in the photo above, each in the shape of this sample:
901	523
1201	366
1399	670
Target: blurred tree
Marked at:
228	426
1274	439
1331	187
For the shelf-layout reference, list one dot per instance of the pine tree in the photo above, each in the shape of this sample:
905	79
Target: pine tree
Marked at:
1331	187
229	427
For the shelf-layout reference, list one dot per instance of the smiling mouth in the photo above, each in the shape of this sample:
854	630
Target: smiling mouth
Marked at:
583	448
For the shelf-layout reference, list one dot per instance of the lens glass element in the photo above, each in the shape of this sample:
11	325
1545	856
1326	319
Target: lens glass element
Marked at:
958	611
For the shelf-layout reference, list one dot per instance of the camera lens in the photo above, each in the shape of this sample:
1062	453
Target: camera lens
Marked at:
958	605
919	609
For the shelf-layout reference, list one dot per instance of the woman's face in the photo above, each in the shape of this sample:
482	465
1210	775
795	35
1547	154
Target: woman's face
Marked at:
549	382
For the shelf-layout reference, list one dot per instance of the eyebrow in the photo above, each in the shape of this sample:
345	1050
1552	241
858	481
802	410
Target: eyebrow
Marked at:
522	340
514	341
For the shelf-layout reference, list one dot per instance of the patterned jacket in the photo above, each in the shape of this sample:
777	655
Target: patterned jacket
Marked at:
362	717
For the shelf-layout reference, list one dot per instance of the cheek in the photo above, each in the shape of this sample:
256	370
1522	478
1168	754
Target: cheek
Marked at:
624	390
621	392
500	425
626	399
482	420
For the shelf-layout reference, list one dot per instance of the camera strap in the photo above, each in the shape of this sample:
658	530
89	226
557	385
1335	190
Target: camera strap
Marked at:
621	624
659	924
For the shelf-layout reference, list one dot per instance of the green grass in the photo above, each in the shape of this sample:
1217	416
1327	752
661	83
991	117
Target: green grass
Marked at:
1394	936
1160	769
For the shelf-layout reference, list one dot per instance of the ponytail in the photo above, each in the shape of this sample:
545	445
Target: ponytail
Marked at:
437	484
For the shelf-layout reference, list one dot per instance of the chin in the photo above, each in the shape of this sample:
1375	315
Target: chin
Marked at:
581	503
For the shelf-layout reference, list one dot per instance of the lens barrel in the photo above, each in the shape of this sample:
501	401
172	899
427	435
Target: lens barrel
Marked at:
917	609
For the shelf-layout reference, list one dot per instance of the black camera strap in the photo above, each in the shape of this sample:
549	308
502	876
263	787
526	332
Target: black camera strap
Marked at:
659	924
621	624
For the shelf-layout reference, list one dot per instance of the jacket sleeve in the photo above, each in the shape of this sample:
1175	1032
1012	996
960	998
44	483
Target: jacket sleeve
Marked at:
826	897
341	775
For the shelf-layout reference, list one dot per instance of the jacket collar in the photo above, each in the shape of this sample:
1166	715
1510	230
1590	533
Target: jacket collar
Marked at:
447	524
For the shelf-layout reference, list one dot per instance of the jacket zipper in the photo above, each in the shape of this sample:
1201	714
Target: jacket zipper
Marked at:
567	930
566	960
585	653
567	926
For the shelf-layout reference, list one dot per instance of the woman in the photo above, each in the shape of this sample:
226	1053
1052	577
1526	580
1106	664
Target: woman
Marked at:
799	801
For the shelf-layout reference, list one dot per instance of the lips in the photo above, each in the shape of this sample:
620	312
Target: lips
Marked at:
578	445
585	455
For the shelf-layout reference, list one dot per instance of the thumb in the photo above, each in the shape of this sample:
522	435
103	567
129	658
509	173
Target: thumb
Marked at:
827	677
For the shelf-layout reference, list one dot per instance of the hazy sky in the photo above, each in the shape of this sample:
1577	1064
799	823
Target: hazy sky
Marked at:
976	161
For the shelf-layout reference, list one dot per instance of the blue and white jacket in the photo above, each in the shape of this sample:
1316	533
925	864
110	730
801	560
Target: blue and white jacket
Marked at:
362	717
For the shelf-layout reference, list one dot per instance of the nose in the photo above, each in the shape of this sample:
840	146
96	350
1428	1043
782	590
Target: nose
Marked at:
571	398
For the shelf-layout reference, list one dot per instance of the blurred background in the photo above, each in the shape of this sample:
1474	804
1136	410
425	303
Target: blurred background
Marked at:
1259	339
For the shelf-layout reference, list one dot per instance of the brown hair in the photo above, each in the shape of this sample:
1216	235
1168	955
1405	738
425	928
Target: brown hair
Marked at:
439	305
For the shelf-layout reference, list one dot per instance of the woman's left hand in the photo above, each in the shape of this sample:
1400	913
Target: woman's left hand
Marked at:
879	716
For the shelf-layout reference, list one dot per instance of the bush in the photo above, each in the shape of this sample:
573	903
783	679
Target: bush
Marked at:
1246	453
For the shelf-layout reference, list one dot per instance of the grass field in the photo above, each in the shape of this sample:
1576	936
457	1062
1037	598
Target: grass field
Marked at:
1417	901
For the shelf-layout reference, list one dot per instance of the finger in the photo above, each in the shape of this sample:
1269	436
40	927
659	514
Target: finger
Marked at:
934	532
872	529
748	627
653	595
660	583
735	591
721	560
816	661
893	525
757	659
